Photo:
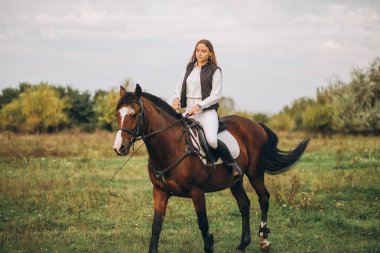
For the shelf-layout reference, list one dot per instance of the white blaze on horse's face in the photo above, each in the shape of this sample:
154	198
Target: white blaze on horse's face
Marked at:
124	111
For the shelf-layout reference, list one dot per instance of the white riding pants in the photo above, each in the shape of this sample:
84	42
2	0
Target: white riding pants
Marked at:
210	123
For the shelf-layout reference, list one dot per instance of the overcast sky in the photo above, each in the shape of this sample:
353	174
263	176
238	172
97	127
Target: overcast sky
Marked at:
270	52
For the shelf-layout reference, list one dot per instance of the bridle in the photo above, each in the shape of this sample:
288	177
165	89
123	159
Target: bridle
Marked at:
139	132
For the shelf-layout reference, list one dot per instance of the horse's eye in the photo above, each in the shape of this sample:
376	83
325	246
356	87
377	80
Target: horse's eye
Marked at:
134	115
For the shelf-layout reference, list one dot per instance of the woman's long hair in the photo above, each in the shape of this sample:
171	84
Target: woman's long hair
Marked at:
208	44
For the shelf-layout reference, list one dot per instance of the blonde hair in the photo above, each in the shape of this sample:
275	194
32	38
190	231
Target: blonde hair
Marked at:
208	44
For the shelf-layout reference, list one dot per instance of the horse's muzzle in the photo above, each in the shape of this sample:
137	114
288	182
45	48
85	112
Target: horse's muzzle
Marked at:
123	150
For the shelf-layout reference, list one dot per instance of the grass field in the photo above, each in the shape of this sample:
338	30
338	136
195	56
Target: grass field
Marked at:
56	195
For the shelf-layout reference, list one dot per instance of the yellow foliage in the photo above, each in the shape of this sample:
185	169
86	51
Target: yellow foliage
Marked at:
317	116
32	121
105	108
282	121
37	109
11	116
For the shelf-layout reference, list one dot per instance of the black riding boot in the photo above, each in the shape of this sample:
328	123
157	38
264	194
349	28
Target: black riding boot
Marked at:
227	159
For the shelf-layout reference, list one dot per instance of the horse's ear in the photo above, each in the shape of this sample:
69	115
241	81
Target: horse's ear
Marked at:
138	91
122	91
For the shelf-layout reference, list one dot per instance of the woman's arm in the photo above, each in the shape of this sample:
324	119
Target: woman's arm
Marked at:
177	92
178	88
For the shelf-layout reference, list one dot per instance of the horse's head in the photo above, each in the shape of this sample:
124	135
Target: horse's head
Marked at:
130	120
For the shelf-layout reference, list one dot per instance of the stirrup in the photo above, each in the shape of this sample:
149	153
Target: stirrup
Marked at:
236	170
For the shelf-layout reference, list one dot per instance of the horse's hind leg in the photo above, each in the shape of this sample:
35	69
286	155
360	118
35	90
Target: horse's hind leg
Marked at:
257	181
243	202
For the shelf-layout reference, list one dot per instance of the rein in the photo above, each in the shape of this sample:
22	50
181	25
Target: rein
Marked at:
189	150
160	173
156	132
117	171
136	135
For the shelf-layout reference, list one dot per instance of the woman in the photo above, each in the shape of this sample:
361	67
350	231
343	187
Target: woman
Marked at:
199	91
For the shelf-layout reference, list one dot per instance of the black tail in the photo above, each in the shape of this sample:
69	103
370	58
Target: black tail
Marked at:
275	161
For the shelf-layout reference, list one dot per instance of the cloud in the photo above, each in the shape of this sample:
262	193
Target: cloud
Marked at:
287	46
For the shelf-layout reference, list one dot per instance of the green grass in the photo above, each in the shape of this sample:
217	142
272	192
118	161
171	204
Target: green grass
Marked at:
56	195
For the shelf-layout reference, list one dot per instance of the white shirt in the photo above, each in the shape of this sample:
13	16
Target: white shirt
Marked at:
194	91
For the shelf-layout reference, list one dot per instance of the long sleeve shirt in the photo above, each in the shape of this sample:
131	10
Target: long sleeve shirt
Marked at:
193	88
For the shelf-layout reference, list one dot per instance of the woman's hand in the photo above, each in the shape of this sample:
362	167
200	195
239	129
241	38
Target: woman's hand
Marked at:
193	110
176	104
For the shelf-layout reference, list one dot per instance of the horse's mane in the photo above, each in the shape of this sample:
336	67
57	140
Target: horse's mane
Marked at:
162	105
129	96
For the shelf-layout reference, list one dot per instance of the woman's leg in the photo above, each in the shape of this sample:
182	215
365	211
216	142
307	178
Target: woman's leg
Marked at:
210	123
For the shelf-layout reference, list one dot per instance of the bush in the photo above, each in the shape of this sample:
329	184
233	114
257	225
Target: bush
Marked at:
317	117
281	121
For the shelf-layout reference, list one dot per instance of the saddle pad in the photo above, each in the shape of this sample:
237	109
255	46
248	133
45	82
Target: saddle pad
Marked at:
230	142
226	137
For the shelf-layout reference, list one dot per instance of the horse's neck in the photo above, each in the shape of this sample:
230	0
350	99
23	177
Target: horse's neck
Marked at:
163	145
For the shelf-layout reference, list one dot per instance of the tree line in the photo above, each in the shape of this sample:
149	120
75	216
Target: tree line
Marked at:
45	107
351	107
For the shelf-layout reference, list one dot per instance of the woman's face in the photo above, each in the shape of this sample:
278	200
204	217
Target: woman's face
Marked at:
202	52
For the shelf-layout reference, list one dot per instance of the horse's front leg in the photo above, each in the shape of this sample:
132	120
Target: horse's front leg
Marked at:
243	202
160	204
199	200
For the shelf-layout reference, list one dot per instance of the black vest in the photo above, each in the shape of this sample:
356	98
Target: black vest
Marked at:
207	72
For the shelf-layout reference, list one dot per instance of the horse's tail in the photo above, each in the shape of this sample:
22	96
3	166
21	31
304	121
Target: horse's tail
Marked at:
275	161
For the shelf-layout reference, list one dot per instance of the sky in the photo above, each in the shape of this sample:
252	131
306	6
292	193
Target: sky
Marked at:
270	52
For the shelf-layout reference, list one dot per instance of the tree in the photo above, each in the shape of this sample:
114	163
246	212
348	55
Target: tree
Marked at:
281	121
104	107
8	94
317	117
260	117
296	109
37	109
12	117
80	109
356	104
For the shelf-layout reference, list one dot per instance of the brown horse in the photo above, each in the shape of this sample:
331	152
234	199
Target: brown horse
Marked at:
174	171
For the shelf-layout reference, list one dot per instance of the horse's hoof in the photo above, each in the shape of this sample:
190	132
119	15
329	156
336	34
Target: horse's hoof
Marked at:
209	244
239	251
211	250
264	245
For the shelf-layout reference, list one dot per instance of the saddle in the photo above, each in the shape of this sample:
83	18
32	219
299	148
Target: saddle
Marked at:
198	142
